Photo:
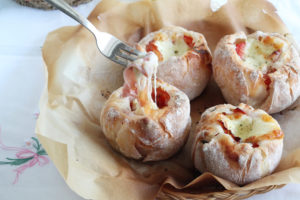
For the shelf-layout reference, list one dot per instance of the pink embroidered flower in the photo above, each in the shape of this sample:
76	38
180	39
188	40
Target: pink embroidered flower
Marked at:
25	157
28	143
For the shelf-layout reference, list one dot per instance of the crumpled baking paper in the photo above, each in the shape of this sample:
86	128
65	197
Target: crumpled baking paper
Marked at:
80	79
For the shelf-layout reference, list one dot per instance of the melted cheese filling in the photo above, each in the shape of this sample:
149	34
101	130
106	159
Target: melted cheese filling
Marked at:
144	104
258	53
168	49
247	126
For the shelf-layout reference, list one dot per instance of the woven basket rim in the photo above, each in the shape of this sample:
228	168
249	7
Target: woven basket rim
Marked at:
42	4
226	194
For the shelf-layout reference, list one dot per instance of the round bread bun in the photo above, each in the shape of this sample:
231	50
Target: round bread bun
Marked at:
42	4
184	58
261	70
239	144
141	126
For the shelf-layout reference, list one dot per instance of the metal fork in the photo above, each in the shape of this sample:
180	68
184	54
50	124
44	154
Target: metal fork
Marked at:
111	47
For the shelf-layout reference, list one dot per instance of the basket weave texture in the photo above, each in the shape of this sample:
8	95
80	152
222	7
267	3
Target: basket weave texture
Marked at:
41	4
224	195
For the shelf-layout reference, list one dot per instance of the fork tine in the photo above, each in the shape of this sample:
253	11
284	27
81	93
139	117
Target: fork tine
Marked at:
119	60
126	56
130	50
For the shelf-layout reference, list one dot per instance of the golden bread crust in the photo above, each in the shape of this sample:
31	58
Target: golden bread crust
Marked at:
190	71
218	150
271	88
147	137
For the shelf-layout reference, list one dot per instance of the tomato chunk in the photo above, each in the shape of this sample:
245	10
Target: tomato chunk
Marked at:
267	81
239	47
189	41
238	110
152	47
162	97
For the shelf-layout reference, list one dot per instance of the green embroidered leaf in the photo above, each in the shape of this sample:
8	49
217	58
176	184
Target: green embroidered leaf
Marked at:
37	146
15	161
4	163
42	152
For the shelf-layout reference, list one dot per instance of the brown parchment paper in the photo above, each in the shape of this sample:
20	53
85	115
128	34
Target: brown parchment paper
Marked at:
79	80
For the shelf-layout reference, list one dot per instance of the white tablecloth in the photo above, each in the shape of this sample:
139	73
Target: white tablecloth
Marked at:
22	33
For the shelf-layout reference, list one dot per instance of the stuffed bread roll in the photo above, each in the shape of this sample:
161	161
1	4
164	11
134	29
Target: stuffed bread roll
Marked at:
261	69
240	144
184	58
146	119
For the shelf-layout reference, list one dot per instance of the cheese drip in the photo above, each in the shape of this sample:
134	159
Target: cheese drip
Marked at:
143	76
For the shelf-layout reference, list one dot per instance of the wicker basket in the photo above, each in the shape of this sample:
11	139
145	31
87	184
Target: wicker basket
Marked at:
41	4
226	194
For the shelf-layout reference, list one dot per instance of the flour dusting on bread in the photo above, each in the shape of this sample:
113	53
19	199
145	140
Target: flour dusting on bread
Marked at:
240	144
260	69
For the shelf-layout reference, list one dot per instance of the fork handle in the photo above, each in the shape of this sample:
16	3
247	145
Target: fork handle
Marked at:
67	9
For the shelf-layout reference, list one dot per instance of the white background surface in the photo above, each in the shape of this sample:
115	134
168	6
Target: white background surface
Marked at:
22	33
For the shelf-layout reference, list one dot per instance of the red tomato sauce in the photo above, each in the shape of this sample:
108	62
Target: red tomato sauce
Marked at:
162	97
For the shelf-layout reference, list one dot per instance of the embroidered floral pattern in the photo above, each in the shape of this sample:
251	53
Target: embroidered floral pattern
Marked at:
25	157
